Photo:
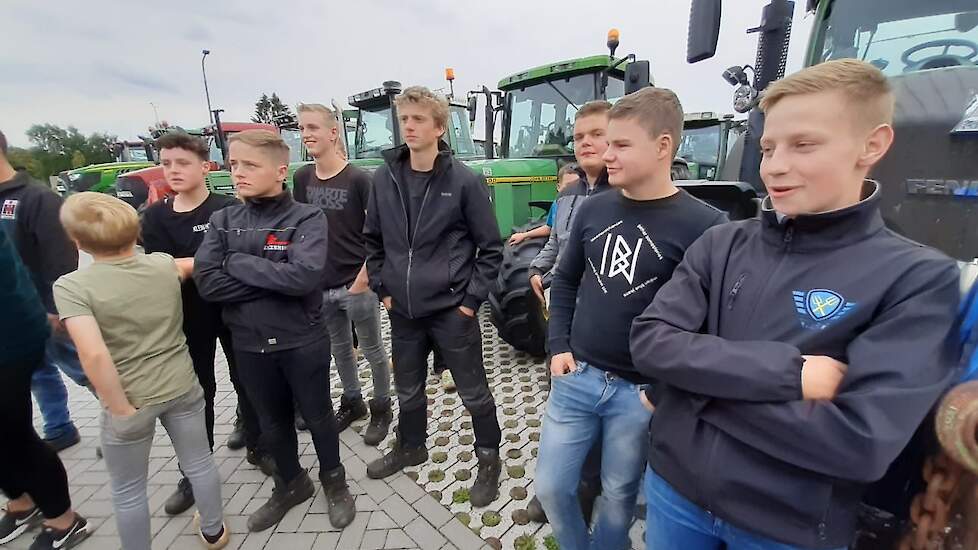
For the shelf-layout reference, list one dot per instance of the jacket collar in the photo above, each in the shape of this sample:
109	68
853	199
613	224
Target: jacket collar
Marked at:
827	230
400	157
585	188
20	179
267	204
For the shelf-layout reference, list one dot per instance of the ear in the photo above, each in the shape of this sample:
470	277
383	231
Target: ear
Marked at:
877	144
664	147
283	172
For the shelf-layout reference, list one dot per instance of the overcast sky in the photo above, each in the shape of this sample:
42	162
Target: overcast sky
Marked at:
98	64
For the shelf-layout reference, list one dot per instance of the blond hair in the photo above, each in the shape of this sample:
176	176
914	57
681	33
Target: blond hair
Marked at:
866	89
419	95
327	113
100	223
596	107
657	110
268	141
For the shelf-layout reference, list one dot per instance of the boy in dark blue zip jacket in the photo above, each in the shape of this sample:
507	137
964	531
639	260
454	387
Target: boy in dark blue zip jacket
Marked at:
795	354
263	261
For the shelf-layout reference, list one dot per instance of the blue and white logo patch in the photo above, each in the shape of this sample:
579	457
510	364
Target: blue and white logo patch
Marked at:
818	308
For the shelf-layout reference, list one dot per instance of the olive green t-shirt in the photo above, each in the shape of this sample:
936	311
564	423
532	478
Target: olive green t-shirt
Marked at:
136	303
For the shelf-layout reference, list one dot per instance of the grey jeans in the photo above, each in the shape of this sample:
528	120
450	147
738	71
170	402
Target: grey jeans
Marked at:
126	443
363	310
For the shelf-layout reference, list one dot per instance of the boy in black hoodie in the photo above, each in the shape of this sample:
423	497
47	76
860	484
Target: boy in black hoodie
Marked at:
795	354
624	244
263	261
433	249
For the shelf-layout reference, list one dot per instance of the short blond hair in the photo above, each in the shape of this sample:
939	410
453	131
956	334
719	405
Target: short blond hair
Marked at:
657	110
591	108
864	86
266	140
419	95
100	223
327	113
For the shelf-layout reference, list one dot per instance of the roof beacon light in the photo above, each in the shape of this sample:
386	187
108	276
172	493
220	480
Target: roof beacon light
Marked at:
613	36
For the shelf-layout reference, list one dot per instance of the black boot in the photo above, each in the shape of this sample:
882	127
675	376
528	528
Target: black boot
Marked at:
263	461
381	417
350	410
534	510
284	498
396	460
181	500
237	438
342	508
486	486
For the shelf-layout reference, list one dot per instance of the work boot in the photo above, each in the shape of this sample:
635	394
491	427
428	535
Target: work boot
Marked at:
263	461
339	501
535	512
381	417
486	486
237	438
396	460
350	410
284	498
181	500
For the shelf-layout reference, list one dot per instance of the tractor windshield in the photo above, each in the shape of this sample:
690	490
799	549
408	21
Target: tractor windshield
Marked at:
458	135
542	120
901	36
375	132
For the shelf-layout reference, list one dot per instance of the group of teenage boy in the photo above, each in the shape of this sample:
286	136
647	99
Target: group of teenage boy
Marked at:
758	374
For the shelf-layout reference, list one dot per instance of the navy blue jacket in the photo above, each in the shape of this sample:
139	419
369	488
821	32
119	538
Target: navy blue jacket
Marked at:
23	322
725	338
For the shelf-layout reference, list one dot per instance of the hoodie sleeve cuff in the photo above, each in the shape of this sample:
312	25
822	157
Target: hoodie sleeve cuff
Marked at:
471	302
559	345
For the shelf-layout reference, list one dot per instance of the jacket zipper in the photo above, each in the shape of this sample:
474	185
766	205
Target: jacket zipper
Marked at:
735	290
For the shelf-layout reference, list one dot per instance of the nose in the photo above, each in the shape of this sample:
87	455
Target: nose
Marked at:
774	163
609	155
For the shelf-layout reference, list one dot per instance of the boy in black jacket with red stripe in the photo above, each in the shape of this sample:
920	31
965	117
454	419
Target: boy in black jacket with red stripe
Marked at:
264	261
795	354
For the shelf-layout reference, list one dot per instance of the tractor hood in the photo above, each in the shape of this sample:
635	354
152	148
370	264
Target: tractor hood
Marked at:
930	175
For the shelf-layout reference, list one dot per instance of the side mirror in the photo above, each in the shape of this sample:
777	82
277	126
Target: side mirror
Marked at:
473	107
704	30
637	76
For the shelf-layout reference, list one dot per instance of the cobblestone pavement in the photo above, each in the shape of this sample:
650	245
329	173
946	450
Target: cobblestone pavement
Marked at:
426	507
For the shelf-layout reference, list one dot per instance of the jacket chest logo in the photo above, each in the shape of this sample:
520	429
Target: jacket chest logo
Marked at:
818	308
273	243
9	210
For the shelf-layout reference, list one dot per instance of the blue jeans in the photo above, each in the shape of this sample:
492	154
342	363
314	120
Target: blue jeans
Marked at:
586	406
49	389
672	521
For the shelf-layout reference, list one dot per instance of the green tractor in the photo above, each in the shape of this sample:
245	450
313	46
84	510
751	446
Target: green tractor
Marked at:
707	145
929	52
129	156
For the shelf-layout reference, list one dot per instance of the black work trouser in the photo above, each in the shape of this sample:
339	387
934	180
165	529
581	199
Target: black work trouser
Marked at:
202	336
272	381
27	464
457	338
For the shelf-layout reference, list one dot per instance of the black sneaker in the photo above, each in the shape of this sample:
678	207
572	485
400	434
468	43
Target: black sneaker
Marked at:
55	539
15	524
381	417
486	486
339	501
181	500
263	461
396	460
212	542
350	410
535	512
284	498
65	440
237	438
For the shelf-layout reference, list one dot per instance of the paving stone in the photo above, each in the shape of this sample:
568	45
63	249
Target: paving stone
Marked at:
290	523
291	541
256	541
400	511
432	510
241	498
380	520
397	538
376	488
353	533
461	536
373	540
169	532
97	542
424	534
315	523
406	487
326	541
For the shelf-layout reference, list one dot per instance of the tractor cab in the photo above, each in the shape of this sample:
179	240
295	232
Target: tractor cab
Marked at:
707	143
376	125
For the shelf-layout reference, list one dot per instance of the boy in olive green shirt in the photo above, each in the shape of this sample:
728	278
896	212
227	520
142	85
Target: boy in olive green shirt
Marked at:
125	316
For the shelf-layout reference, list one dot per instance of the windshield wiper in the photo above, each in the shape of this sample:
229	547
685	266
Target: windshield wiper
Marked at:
567	99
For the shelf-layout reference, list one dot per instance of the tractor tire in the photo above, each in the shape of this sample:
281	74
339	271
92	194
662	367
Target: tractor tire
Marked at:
516	312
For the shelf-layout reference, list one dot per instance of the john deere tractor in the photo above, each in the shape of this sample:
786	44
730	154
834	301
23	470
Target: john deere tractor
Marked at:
929	178
129	156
